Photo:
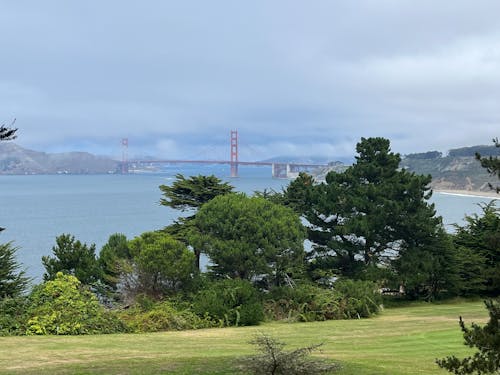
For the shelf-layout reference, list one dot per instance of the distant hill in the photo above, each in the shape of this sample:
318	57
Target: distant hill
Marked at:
15	159
459	170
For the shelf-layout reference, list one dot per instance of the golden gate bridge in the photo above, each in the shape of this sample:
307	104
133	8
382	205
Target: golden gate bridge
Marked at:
279	169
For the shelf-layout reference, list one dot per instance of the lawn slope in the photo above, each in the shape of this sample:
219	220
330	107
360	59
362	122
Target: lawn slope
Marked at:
403	340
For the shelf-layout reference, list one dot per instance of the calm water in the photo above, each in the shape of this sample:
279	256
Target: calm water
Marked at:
36	209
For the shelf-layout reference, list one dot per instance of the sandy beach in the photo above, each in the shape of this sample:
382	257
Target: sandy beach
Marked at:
483	194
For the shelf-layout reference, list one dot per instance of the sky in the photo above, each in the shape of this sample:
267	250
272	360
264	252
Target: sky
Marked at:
292	77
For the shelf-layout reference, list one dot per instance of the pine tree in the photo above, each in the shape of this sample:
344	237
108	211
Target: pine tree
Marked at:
13	281
486	339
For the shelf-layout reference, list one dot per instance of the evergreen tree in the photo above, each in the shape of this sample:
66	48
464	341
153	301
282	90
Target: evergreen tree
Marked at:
491	163
486	339
112	253
188	195
481	236
7	133
73	258
13	281
160	265
364	218
251	237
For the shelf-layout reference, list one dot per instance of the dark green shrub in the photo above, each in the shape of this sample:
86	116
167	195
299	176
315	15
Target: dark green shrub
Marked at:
231	302
161	316
348	299
64	307
362	298
13	316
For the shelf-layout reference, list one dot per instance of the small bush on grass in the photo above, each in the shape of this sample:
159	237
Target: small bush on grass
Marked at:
274	360
231	302
64	307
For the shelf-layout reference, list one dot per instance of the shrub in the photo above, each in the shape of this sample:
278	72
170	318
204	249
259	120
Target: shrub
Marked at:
363	299
231	302
13	316
64	307
348	299
149	316
275	361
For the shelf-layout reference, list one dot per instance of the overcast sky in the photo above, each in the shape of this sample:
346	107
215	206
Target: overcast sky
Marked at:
293	77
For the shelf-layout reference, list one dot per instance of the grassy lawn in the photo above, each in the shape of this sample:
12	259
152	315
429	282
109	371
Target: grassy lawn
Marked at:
401	340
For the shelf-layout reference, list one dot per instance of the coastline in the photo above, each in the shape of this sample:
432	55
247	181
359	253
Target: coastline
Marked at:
470	193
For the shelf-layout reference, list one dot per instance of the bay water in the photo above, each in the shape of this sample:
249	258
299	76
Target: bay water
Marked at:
35	209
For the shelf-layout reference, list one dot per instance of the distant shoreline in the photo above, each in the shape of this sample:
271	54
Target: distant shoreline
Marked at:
470	193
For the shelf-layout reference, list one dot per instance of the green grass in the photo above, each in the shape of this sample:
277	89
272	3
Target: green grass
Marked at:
401	340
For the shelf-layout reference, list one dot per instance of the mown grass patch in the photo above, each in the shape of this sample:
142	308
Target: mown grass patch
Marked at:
401	340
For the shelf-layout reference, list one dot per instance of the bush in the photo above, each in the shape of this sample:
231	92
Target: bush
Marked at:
149	316
363	299
348	299
64	307
231	302
274	360
13	316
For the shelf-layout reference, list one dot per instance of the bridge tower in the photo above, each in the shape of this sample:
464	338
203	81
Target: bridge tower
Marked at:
234	153
124	168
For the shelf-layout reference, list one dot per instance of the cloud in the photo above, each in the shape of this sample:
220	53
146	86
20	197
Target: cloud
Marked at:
176	77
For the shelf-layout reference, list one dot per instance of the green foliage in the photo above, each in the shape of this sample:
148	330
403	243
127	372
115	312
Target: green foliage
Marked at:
13	281
64	306
486	339
13	316
349	299
189	195
150	316
481	236
363	218
160	265
230	302
274	360
7	133
429	269
186	194
491	163
112	253
251	237
73	258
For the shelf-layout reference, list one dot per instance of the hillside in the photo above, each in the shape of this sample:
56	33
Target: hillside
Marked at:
459	170
15	159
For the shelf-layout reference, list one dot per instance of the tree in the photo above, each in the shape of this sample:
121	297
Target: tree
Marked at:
112	254
7	133
491	163
250	237
362	219
429	269
481	236
486	339
73	258
13	281
160	265
188	195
